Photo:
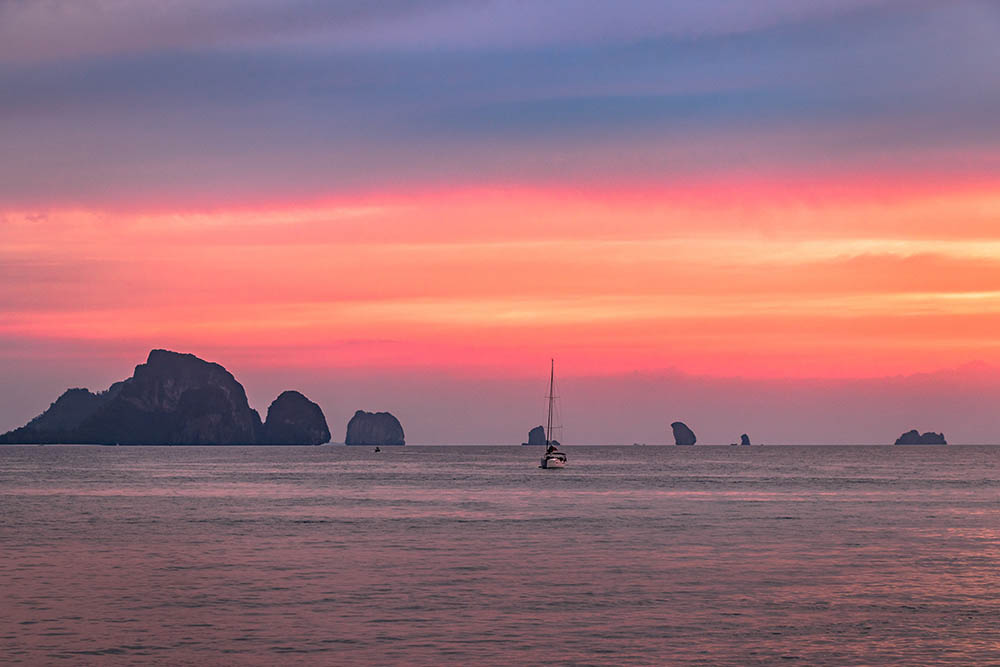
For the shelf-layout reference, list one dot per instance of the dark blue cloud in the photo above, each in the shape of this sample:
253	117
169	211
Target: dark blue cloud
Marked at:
61	29
905	79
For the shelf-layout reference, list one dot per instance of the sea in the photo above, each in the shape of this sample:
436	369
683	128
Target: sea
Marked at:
417	555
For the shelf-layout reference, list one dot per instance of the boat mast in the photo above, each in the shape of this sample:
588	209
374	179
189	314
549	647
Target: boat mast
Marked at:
552	380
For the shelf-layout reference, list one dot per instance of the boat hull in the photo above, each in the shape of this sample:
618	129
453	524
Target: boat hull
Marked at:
550	462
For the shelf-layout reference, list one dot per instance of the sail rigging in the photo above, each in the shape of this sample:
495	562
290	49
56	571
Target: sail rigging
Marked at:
553	458
553	425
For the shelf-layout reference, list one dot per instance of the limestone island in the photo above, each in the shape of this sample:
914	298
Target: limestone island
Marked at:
374	428
682	434
536	436
913	437
294	418
173	399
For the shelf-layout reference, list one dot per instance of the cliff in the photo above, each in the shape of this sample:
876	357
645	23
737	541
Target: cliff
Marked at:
172	399
682	434
913	437
292	419
175	399
374	428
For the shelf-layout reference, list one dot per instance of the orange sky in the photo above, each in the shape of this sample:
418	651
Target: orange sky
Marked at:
407	205
848	279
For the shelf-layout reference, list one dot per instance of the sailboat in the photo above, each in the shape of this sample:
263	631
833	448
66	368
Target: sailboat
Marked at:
552	458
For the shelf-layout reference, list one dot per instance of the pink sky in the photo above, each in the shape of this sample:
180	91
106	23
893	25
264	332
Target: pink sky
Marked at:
414	207
477	288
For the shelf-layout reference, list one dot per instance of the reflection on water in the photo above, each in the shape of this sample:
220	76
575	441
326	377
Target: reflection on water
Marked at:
431	555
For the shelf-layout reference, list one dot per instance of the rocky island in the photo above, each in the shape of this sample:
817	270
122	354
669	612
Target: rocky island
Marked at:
536	436
682	434
374	428
914	437
294	418
172	399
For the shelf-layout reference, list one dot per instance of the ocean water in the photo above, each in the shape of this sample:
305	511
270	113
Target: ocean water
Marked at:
472	555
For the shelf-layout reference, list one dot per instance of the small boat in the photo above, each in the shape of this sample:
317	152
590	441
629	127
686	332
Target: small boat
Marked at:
552	458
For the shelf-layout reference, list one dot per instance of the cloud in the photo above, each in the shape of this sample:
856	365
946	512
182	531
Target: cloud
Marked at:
54	30
398	185
900	86
62	29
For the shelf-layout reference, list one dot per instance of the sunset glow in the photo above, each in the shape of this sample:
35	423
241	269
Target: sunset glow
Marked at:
844	284
798	193
500	332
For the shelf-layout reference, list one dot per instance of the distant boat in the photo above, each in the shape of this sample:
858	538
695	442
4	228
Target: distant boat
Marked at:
552	458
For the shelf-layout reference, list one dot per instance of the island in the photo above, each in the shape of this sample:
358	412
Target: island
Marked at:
173	399
914	437
682	434
374	428
536	436
293	418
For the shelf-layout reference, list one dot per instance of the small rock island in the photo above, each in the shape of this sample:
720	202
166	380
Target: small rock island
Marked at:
914	437
173	399
374	428
682	434
536	436
294	418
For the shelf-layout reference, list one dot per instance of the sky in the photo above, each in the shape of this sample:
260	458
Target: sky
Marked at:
779	217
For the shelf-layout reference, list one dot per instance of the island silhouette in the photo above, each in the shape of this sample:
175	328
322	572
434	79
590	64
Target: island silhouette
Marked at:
173	399
374	428
683	435
914	437
179	399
